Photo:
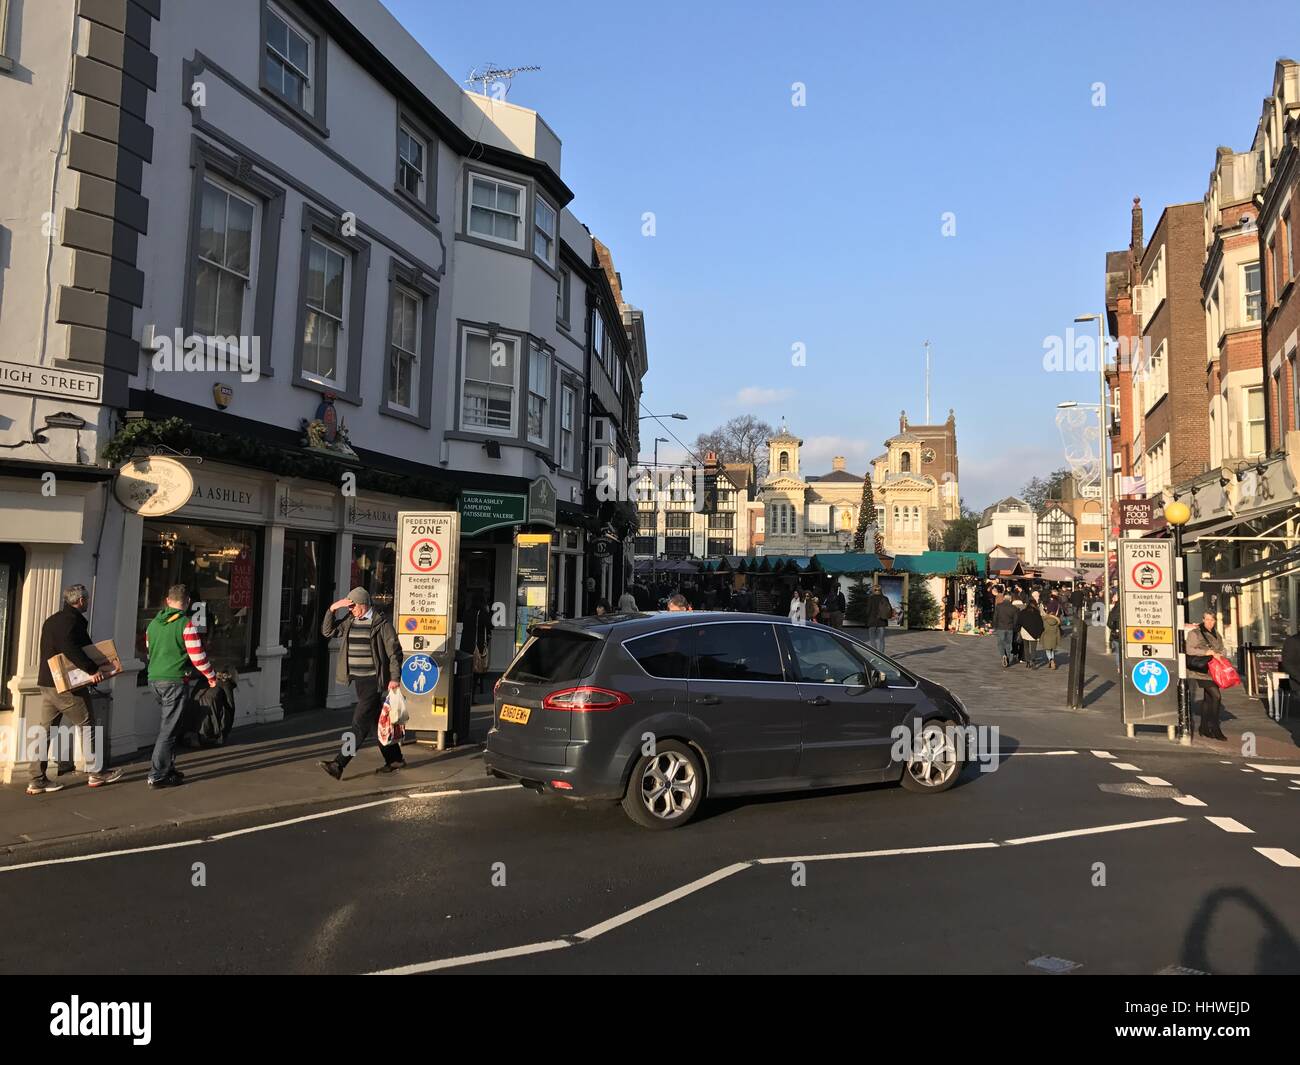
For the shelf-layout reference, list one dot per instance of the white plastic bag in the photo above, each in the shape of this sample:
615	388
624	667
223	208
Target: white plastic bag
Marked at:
396	703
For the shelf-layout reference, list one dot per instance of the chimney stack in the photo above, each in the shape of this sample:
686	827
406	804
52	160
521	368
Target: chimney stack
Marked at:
1135	239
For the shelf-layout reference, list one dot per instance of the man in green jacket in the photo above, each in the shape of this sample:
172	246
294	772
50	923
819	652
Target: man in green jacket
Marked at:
371	659
174	646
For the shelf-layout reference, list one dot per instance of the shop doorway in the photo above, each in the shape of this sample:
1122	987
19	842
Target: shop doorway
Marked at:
478	576
306	588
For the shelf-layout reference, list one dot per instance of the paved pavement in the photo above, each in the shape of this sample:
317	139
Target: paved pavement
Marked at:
1082	851
261	768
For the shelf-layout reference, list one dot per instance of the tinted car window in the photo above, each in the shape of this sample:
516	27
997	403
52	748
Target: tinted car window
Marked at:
822	659
555	656
876	661
663	654
737	652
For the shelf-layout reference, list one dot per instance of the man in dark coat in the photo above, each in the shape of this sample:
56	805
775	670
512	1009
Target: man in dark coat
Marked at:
1006	615
879	610
370	658
1290	665
65	633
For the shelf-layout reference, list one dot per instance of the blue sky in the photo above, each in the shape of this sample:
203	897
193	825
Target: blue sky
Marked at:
821	224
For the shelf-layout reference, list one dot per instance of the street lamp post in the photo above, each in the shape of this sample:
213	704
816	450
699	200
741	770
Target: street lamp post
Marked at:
655	493
1105	465
1177	515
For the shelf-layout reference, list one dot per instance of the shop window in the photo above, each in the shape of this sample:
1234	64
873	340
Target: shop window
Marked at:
220	567
374	566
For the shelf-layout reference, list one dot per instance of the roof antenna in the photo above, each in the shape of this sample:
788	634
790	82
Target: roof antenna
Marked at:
499	78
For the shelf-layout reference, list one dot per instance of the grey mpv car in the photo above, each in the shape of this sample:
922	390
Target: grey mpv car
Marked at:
658	711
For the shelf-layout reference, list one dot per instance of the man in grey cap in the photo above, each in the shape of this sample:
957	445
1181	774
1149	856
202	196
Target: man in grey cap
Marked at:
371	659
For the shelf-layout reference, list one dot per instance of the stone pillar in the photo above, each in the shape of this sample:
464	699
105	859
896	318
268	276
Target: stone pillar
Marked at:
42	595
270	651
135	718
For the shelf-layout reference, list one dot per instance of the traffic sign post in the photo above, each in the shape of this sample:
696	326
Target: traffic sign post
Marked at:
1148	624
425	615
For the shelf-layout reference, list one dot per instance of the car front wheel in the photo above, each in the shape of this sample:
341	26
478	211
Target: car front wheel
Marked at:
933	764
666	787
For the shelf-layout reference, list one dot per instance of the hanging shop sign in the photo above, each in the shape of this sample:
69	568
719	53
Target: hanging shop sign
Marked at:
481	511
541	502
1136	514
153	486
424	613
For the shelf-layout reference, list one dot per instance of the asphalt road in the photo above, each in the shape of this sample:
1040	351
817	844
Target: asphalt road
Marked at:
410	882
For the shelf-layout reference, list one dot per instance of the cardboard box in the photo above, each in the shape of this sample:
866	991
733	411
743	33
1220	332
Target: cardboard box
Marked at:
68	677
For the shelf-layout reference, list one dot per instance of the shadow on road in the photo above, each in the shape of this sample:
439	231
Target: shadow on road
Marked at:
1276	952
1097	693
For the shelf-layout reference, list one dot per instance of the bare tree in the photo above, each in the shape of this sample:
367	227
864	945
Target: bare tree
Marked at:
742	439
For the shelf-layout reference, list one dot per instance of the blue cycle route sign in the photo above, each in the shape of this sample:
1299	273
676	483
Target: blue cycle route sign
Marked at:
1150	677
419	674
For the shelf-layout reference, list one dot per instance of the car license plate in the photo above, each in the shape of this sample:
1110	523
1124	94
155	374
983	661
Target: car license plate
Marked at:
515	714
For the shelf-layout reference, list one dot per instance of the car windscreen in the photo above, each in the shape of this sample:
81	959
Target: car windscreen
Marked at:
555	656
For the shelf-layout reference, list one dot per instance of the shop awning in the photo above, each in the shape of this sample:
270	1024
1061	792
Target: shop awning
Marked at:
1266	569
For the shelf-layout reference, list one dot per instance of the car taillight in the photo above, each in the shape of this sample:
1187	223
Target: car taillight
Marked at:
581	700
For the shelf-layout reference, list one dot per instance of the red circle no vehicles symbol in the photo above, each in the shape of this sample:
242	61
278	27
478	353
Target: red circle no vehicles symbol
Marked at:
425	555
1147	576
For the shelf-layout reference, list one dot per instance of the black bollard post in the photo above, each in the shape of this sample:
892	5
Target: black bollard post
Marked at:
1078	659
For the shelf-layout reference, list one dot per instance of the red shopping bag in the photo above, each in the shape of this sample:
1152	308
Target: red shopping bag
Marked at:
1223	674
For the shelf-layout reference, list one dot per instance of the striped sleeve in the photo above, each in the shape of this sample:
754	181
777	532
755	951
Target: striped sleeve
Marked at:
198	656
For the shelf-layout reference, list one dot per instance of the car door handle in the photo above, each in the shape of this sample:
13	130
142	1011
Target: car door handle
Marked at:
818	700
708	700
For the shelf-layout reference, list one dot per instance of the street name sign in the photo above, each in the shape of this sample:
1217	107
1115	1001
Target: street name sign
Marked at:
1148	600
425	612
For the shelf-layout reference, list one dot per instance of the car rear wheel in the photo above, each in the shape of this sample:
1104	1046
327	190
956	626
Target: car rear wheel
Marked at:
665	788
933	764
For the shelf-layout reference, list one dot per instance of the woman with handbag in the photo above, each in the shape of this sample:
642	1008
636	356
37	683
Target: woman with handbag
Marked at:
1204	645
1030	623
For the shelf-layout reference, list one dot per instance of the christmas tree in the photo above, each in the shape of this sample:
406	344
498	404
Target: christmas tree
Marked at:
857	606
866	518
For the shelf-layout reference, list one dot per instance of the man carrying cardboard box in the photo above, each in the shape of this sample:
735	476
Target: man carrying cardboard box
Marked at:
66	633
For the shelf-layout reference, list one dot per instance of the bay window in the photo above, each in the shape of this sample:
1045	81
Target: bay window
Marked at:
488	382
539	395
496	210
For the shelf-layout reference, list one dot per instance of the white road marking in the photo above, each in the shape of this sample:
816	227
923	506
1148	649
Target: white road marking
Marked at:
889	853
218	837
463	791
1228	824
1248	771
1156	782
1013	753
1224	761
1188	800
1103	754
1285	770
1280	856
630	915
658	903
1274	779
1126	765
475	959
1100	829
